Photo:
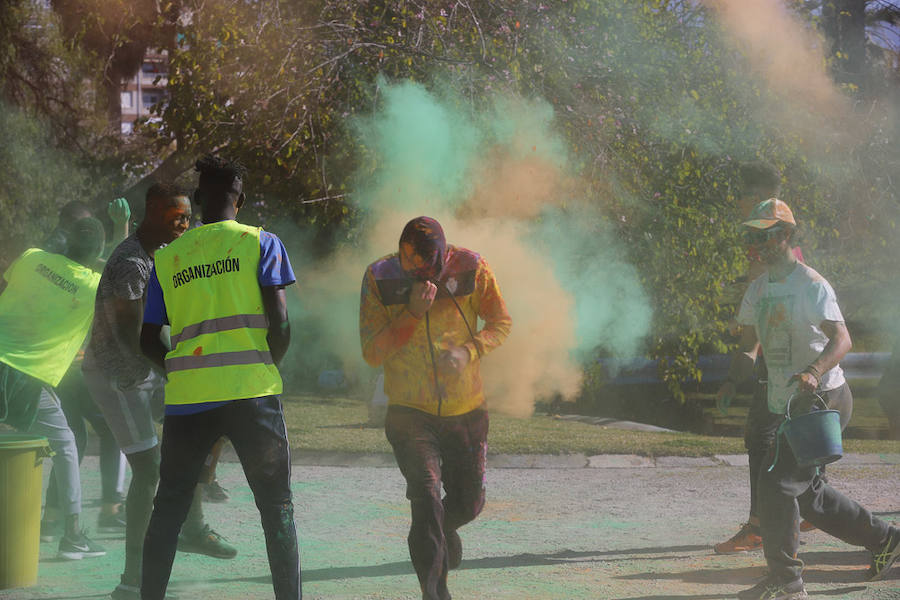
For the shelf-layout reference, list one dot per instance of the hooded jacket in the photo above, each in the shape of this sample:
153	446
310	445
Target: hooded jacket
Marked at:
395	339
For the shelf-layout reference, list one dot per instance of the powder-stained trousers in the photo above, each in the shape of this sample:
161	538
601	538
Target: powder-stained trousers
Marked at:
432	451
790	491
257	432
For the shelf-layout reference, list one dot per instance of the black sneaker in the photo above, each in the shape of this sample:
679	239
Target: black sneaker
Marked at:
111	522
124	591
207	542
214	492
78	546
770	589
454	549
885	558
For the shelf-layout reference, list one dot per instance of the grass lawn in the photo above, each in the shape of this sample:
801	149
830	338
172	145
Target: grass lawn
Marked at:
340	425
868	420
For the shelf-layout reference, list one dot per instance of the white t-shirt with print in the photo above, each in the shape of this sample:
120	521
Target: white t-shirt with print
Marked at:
787	315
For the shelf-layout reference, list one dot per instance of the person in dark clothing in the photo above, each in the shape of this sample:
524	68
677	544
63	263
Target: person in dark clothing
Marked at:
888	392
75	400
221	287
127	390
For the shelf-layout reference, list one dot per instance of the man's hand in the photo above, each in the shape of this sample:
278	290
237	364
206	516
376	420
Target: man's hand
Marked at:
421	297
453	360
725	396
807	382
118	210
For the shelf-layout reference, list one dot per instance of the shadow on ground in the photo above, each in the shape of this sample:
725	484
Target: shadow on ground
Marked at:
834	592
90	596
490	562
812	573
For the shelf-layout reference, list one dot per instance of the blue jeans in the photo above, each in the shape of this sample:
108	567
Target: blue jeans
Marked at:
256	429
31	406
51	423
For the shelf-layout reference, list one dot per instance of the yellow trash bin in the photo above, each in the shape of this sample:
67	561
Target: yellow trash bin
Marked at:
21	477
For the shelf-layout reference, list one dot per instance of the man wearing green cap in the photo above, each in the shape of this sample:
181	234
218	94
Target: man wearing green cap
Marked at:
792	312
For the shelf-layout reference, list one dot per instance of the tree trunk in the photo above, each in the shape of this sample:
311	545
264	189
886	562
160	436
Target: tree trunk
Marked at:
169	169
844	24
112	98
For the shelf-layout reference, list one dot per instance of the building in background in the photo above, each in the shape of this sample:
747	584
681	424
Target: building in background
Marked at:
145	89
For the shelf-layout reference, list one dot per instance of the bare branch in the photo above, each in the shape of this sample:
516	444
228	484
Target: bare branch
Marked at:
324	199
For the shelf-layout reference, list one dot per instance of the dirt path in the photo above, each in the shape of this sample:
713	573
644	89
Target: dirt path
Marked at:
623	533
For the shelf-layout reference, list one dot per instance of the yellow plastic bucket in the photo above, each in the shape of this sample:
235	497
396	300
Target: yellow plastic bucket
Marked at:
21	477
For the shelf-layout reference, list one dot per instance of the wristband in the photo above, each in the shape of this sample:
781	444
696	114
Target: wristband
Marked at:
813	371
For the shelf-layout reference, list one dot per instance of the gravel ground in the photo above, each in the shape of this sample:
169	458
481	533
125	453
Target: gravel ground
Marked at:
616	533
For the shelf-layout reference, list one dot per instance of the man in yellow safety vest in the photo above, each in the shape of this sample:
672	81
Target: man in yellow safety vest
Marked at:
46	305
221	287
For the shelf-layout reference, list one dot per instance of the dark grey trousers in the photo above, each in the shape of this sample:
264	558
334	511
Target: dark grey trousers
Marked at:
759	439
789	492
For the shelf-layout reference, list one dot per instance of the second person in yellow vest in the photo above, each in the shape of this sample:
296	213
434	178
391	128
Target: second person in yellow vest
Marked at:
46	304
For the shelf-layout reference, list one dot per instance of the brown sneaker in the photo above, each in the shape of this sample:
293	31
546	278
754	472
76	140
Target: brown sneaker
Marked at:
806	525
206	541
746	539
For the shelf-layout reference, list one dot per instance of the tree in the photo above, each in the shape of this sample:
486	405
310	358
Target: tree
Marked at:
117	33
860	36
56	144
655	101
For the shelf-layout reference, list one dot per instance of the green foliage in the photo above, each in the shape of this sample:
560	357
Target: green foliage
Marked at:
336	424
656	105
42	179
57	147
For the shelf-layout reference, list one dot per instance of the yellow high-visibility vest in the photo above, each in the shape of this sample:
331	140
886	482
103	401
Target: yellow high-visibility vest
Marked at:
215	308
45	313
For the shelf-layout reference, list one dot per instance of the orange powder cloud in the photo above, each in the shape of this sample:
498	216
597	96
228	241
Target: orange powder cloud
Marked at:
791	59
535	360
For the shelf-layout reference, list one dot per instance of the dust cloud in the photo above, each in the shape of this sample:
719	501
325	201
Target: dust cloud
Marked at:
500	183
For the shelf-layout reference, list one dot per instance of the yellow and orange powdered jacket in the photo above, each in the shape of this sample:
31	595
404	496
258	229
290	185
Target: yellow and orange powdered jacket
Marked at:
393	338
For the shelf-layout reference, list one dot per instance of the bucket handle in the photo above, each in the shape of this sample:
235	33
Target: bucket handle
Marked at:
787	409
787	418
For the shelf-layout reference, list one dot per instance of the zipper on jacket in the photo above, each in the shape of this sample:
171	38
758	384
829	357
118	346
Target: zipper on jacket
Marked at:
434	369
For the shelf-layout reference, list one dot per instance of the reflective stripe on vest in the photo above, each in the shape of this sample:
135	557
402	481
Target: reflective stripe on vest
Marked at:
209	278
220	324
222	359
